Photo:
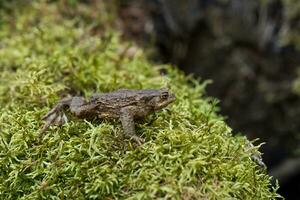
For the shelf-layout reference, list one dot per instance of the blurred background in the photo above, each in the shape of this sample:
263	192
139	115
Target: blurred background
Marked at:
251	52
249	49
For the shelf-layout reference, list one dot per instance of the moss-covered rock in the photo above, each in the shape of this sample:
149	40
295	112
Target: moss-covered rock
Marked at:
189	151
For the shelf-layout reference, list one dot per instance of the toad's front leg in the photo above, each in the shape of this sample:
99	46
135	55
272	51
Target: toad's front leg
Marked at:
127	120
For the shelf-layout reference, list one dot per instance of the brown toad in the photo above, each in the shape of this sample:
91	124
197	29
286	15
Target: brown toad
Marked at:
126	105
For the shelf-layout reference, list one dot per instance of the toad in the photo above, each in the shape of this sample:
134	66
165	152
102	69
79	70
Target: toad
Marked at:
124	104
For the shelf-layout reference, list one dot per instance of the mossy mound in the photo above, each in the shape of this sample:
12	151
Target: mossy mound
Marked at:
189	151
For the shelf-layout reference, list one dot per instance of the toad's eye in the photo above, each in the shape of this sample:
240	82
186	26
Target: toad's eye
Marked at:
164	95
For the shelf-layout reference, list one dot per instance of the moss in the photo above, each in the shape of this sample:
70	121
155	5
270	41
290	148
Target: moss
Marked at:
291	36
189	151
296	83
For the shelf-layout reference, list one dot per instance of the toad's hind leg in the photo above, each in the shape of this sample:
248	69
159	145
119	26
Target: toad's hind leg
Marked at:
127	120
61	105
78	106
56	116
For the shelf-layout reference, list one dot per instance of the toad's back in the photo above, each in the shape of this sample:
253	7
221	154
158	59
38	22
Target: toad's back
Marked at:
109	105
124	97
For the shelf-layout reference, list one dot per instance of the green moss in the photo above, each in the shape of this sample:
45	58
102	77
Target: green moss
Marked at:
291	36
189	151
296	84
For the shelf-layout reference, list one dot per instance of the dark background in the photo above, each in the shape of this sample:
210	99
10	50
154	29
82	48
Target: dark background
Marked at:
251	52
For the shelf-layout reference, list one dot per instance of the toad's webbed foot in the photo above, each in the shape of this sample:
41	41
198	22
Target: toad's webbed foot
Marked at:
139	141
